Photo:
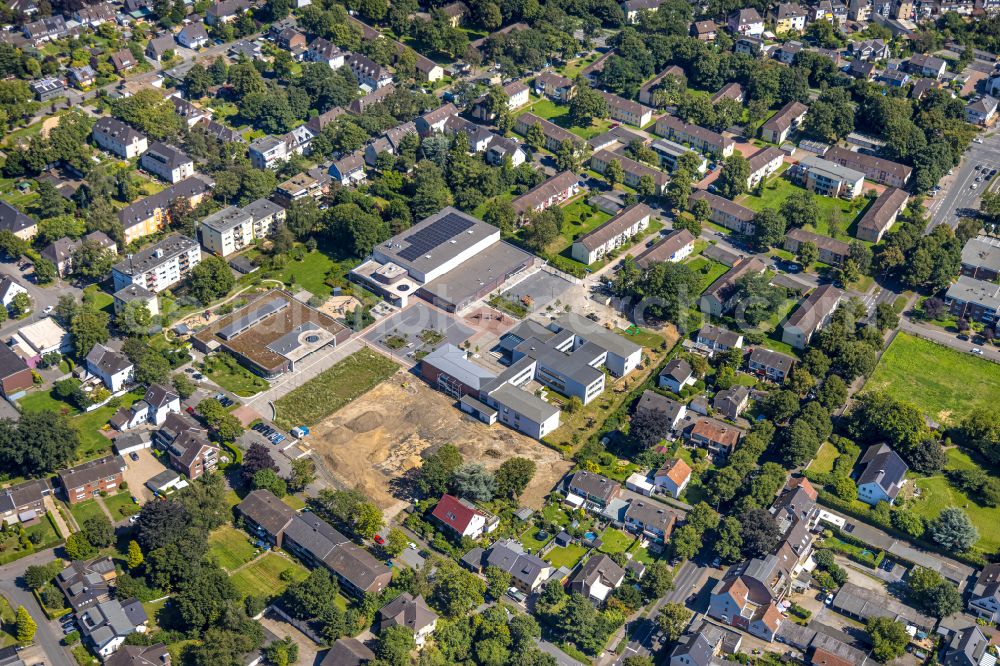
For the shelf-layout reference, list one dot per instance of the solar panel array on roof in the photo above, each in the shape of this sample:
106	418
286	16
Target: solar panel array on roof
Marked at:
423	241
252	318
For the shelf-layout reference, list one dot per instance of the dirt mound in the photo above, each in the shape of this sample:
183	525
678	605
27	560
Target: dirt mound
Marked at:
366	422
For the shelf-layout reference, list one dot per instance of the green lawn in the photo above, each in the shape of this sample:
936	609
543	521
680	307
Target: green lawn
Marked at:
823	462
323	395
936	493
531	543
578	219
310	273
641	336
944	384
121	505
225	370
559	115
99	298
44	401
85	510
263	577
230	547
92	443
615	541
565	556
841	212
708	271
294	501
12	547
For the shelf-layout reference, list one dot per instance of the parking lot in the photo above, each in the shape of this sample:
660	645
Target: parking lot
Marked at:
139	471
541	289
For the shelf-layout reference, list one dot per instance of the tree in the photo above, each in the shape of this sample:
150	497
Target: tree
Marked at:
497	581
586	105
21	304
658	580
210	279
932	593
394	645
728	542
353	510
456	591
197	82
78	547
613	172
38	444
268	479
845	488
886	317
833	393
672	620
183	385
513	476
303	474
134	319
256	458
759	533
223	426
160	524
648	426
282	652
980	430
25	626
953	530
473	482
313	597
89	327
808	254
134	558
686	542
38	576
99	531
800	209
396	542
888	637
769	228
732	180
437	469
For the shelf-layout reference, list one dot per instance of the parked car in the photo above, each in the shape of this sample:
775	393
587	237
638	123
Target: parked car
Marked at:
189	409
134	456
378	539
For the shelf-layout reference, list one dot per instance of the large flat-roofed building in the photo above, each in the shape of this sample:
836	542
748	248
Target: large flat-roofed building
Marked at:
449	259
981	258
612	234
271	333
878	169
159	266
974	300
234	229
881	215
829	178
810	317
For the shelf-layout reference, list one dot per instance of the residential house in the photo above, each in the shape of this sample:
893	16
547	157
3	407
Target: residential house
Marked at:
699	138
675	375
780	125
434	120
705	31
300	186
894	78
15	375
517	94
350	170
92	478
651	519
881	215
634	8
771	365
169	163
104	626
673	477
24	502
193	36
862	603
552	192
984	602
151	214
593	488
39	339
831	251
140	655
811	316
463	517
226	11
47	89
267	152
323	50
715	338
651	401
528	572
612	235
10	287
134	293
762	164
116	137
749	45
266	516
881	476
552	133
294	42
974	300
828	178
158	47
720	297
746	21
558	88
789	17
869	49
731	90
187	446
927	65
410	612
501	148
670	152
16	222
968	648
45	29
719	438
747	596
627	111
348	652
95	15
874	168
113	368
731	402
633	171
724	212
159	266
982	110
87	583
863	70
156	405
597	577
191	113
369	73
389	142
675	246
82	77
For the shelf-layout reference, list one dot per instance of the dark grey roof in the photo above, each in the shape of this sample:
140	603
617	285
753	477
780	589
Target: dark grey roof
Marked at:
595	485
884	467
966	647
348	652
509	556
11	219
653	401
772	359
145	208
107	360
678	369
171	157
90	472
139	655
154	255
266	510
408	611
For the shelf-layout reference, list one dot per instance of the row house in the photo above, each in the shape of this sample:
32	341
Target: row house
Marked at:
95	15
927	65
781	124
653	520
152	214
833	11
633	170
811	316
552	192
874	168
434	120
724	212
612	234
92	478
831	251
45	29
119	139
717	339
762	164
699	138
234	229
648	89
627	111
593	488
770	365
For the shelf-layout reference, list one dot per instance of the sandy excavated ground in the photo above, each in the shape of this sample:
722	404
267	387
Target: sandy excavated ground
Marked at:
380	436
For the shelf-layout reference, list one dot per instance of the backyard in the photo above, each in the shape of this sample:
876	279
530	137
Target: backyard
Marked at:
840	212
230	547
13	548
263	577
615	541
708	271
559	115
121	505
85	510
565	556
944	384
323	395
937	493
225	370
825	457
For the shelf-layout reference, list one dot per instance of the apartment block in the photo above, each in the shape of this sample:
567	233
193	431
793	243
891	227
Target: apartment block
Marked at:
829	178
877	169
116	137
234	229
159	266
169	163
90	479
612	234
699	138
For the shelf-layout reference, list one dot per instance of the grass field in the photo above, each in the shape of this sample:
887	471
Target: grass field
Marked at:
225	371
310	273
85	510
823	462
944	384
565	556
708	271
615	541
230	547
529	541
121	505
937	493
323	395
559	114
92	443
839	211
263	577
12	547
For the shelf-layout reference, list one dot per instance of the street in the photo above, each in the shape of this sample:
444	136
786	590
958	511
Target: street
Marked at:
948	339
48	634
956	193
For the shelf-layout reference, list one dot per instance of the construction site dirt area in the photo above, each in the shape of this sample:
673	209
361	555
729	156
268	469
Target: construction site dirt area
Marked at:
381	436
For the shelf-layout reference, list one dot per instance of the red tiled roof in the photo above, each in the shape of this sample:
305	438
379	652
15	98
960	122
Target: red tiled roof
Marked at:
454	513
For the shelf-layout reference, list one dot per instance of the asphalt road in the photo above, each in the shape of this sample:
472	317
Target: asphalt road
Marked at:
956	190
12	587
41	297
948	339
